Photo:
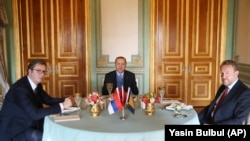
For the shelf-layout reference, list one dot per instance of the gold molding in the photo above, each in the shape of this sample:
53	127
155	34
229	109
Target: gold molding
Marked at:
102	61
224	29
151	48
16	38
137	61
88	44
223	39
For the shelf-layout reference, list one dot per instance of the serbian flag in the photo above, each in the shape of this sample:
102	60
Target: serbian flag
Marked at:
115	104
130	101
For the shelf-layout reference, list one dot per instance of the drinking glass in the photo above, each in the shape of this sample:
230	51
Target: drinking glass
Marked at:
78	99
162	92
84	104
109	88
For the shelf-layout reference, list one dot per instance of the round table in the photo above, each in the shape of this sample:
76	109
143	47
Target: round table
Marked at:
138	126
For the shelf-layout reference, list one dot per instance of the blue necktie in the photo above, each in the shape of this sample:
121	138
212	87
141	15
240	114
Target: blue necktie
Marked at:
119	81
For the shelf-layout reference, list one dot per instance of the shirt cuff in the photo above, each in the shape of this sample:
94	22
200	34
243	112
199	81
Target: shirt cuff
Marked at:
61	106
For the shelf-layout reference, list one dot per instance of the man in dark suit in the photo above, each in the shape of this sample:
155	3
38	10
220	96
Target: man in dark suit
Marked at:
235	106
120	77
22	113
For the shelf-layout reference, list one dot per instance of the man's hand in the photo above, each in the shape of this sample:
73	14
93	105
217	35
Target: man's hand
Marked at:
68	102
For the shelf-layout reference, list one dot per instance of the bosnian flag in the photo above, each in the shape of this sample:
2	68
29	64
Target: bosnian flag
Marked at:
131	104
115	104
130	101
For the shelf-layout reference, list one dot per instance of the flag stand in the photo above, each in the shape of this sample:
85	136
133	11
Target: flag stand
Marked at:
123	117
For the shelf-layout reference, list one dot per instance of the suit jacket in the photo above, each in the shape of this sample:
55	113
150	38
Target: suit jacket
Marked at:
129	81
234	108
23	109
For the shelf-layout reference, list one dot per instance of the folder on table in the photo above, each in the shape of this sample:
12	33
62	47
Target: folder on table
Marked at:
61	118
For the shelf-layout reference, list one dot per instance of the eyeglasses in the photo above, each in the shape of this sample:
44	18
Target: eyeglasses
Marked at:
40	71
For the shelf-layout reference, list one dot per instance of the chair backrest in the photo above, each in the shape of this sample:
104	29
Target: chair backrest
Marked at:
248	119
136	79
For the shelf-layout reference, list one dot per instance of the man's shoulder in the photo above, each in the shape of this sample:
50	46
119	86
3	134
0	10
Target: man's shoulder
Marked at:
111	72
128	72
21	81
240	85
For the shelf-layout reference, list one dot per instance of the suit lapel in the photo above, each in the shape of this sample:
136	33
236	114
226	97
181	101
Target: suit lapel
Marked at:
231	93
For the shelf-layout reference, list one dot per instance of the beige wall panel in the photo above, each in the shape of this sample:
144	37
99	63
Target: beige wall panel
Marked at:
243	32
119	28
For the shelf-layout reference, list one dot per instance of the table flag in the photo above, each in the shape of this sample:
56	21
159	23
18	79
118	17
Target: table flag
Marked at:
115	104
130	102
128	94
131	105
123	96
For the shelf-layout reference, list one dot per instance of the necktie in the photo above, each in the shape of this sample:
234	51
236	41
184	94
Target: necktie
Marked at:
220	100
36	94
120	81
35	90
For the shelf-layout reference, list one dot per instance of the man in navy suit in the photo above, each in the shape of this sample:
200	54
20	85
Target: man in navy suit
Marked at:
235	106
120	77
22	114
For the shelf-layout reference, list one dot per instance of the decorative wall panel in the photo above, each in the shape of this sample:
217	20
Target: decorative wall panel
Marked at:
56	32
120	32
187	38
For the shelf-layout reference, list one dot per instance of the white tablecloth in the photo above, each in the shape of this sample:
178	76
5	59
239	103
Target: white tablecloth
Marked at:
137	127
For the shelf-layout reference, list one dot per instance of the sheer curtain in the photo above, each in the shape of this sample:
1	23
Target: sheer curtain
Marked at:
3	69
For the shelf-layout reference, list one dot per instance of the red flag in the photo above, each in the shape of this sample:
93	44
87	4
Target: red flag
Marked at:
115	105
123	95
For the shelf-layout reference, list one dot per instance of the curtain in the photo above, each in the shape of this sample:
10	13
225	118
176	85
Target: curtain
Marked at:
3	69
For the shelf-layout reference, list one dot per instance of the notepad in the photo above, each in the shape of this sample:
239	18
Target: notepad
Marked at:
70	109
63	118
